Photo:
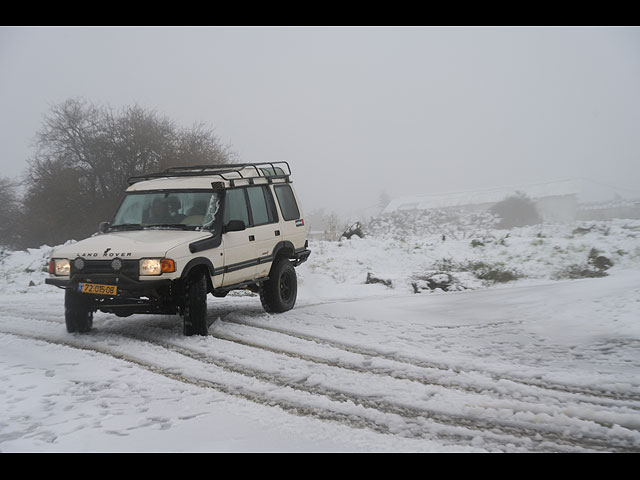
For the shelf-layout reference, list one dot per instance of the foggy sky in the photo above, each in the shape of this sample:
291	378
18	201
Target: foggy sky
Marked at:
399	110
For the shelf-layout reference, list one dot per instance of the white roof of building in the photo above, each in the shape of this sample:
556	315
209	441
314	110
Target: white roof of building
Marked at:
585	191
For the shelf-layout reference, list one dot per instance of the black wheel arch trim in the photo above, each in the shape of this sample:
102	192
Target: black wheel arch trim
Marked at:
196	262
285	244
299	255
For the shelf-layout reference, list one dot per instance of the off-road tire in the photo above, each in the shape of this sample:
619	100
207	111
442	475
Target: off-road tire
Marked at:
195	306
77	315
279	293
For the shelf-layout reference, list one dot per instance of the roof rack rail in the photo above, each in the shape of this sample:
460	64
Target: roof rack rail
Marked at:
269	170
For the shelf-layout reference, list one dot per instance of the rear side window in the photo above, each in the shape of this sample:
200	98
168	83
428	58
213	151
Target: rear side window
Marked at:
287	202
262	206
235	207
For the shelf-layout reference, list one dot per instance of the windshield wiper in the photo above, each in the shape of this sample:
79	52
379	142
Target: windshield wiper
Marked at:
181	226
126	226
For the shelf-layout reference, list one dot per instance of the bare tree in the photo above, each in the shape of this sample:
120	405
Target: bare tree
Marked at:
331	226
10	214
85	155
199	145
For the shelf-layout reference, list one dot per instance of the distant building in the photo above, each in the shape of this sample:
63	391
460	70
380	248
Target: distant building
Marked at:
559	201
617	208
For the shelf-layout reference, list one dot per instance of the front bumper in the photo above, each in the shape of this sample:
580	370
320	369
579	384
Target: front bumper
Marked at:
133	296
125	284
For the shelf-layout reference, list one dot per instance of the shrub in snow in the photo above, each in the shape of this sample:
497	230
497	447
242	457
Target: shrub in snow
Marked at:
496	273
372	279
599	261
576	271
581	230
436	281
355	229
488	272
595	267
516	211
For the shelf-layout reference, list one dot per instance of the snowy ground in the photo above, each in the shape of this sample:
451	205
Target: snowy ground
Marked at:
538	364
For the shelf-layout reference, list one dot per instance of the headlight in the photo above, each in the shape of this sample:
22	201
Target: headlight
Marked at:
150	266
60	267
156	266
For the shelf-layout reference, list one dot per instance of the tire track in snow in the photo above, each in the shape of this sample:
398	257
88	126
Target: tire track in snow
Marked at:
543	384
407	422
386	406
222	313
543	438
450	383
412	428
467	385
417	422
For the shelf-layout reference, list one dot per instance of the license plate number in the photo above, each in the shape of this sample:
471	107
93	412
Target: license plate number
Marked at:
97	289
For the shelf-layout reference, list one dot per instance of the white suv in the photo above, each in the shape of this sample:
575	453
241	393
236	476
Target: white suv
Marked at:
183	233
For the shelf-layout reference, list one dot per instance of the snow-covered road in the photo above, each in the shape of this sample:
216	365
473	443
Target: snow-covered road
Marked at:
533	366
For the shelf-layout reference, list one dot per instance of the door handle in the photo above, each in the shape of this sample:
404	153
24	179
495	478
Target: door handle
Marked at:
277	232
252	238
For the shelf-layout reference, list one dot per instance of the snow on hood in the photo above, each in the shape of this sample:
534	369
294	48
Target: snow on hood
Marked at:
131	244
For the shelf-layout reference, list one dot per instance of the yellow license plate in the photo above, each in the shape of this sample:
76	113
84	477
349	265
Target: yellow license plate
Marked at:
97	289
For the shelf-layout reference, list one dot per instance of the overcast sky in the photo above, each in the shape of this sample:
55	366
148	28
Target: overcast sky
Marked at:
400	110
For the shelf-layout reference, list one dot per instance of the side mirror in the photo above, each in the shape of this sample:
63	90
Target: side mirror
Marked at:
234	226
104	227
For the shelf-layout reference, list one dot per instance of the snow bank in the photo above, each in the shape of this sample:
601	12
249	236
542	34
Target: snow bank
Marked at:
422	254
23	270
472	253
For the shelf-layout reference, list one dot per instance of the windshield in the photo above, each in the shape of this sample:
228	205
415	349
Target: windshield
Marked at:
188	210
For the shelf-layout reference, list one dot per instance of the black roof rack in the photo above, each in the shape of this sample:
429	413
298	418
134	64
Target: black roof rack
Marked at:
269	170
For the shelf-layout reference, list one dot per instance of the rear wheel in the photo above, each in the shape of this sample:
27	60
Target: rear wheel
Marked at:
279	293
195	306
77	314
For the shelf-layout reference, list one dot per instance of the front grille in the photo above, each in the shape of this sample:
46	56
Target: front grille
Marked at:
130	268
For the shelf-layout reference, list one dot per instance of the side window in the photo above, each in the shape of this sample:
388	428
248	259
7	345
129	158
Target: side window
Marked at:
287	202
261	204
271	204
235	206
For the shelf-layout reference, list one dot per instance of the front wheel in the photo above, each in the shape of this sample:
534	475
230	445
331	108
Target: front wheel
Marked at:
195	306
77	315
279	293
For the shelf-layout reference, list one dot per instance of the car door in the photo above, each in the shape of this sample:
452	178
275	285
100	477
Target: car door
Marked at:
292	223
239	250
265	230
